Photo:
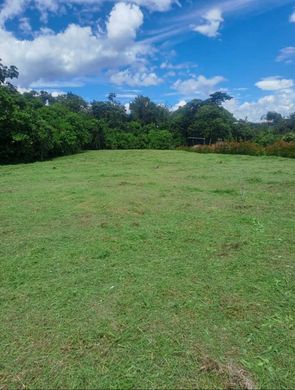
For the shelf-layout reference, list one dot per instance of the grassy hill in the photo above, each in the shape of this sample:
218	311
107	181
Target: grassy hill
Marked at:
147	269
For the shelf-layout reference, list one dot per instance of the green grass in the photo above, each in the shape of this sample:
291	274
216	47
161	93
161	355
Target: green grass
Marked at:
147	269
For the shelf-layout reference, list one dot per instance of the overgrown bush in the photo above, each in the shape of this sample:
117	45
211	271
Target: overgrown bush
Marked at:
281	148
160	139
246	147
266	137
155	139
29	134
289	137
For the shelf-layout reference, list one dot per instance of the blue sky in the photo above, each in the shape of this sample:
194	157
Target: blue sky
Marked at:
169	50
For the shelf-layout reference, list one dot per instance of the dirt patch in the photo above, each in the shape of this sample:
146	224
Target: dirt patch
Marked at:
236	377
228	248
124	183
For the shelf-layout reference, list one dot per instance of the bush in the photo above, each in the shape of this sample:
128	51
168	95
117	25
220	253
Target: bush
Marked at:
266	137
121	140
204	149
247	148
160	139
289	137
281	148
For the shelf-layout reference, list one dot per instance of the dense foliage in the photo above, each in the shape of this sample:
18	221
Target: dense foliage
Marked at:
279	148
36	125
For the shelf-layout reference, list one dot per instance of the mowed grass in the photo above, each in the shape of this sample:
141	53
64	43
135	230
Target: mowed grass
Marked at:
147	269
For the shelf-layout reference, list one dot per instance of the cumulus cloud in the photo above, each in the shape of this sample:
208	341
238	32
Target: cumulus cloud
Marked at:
200	86
156	5
53	92
292	17
77	51
286	55
180	66
274	83
135	79
212	23
13	8
124	21
127	108
178	105
282	102
25	26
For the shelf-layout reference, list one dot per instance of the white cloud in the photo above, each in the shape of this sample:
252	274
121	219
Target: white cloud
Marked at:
135	79
14	8
274	83
292	17
57	93
181	103
127	108
76	52
180	66
25	26
75	83
124	21
24	90
212	23
156	5
53	92
200	86
11	8
286	55
126	95
282	102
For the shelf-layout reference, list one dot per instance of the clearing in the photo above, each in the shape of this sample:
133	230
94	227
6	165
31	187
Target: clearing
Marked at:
147	269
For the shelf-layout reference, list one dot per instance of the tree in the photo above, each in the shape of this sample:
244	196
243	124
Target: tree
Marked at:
113	113
212	122
73	102
204	119
218	98
36	125
145	111
274	117
46	97
160	139
7	73
112	97
243	131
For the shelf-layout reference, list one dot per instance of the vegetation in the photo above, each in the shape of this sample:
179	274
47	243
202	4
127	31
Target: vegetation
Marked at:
36	126
147	269
279	148
144	269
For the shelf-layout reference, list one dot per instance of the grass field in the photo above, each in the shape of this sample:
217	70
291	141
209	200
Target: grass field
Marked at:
147	269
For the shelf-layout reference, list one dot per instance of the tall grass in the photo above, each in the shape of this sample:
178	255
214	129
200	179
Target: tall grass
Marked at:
279	148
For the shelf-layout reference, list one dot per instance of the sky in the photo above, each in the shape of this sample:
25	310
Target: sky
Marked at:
170	50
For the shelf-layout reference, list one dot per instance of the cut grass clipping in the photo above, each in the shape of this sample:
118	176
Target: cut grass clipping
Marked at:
147	269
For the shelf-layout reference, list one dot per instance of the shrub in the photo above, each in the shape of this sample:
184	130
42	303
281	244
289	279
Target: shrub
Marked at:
266	137
160	139
204	149
116	139
281	148
289	137
246	147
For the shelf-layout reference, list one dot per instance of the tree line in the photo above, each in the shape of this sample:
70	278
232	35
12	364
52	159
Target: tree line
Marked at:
36	125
